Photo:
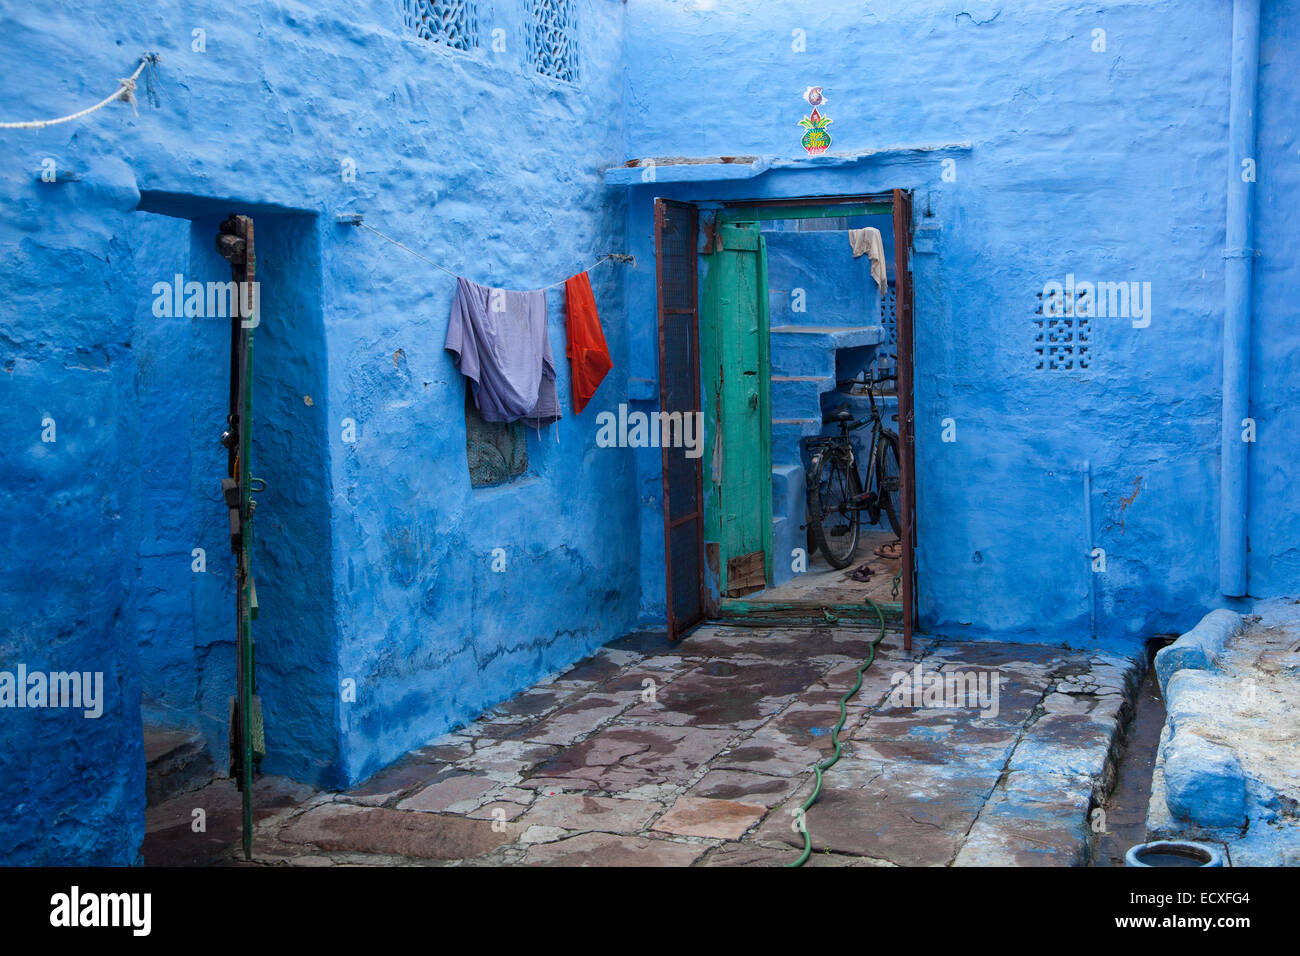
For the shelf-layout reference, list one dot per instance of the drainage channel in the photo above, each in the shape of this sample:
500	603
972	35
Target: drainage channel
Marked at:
1126	806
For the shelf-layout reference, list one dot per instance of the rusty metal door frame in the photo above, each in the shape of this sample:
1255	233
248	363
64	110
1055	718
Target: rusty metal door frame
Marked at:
904	321
899	203
675	625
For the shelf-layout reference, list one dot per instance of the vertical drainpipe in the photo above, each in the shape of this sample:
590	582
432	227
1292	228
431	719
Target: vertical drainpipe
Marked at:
1088	540
1237	294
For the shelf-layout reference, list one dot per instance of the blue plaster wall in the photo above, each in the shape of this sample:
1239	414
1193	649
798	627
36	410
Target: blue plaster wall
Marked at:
838	289
1109	165
162	611
372	557
73	786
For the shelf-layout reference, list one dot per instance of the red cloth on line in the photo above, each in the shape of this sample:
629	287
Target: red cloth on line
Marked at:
589	360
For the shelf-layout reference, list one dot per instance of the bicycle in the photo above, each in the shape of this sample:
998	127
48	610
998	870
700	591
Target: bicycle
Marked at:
836	499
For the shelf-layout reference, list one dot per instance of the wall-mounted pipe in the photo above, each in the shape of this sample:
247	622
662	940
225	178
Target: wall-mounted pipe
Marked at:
1239	255
1090	547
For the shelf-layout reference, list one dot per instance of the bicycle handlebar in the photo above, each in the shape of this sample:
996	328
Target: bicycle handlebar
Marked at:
867	381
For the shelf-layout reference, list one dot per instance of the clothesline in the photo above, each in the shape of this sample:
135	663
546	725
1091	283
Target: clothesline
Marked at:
355	220
125	91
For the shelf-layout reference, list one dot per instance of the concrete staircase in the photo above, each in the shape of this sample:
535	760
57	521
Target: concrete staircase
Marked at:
807	361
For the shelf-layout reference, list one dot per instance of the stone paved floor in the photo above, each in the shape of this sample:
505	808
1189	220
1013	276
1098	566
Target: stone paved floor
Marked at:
649	753
823	584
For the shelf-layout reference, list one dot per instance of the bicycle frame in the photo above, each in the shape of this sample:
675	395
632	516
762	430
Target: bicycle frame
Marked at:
842	445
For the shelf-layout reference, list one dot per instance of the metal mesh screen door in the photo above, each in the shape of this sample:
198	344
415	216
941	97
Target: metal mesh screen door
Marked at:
679	391
903	313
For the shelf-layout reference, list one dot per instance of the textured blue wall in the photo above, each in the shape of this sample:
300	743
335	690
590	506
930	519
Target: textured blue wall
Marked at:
162	608
73	785
373	557
837	289
1109	165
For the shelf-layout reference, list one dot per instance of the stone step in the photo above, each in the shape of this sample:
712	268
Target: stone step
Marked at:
810	350
789	498
798	396
787	438
782	544
176	760
789	510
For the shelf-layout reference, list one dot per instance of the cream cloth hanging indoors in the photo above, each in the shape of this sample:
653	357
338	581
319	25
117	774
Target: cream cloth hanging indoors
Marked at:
867	241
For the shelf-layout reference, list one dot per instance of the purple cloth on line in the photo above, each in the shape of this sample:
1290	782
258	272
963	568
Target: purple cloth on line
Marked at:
501	345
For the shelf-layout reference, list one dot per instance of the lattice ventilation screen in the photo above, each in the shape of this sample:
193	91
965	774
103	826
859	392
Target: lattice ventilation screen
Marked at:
1062	343
453	23
887	352
552	38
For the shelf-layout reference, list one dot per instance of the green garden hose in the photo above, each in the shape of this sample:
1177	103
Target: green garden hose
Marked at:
835	738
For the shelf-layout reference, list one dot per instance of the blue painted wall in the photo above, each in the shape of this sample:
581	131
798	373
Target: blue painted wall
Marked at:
837	288
373	557
73	785
162	608
1109	165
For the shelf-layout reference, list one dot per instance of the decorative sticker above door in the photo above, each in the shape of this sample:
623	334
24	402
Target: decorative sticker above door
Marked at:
816	140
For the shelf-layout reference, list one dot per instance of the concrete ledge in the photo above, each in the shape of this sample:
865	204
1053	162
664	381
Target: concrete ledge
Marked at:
1190	699
642	389
688	169
1199	782
1199	648
1204	782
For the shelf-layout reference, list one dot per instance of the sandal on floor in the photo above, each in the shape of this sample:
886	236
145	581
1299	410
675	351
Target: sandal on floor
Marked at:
893	550
862	572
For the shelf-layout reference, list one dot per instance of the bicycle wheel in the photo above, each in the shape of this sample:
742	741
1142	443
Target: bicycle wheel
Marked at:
833	485
889	486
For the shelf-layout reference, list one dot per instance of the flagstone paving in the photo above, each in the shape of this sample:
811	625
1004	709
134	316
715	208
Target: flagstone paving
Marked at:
700	753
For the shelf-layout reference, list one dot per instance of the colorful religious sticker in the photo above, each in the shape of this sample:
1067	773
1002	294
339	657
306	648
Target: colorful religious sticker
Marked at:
814	96
816	140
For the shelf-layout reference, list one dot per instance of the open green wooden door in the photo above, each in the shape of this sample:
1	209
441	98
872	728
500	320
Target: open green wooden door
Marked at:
734	352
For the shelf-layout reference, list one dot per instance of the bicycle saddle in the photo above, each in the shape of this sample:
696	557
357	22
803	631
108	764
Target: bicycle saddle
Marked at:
841	414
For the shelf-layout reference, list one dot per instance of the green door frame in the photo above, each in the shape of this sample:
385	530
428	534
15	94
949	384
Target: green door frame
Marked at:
812	210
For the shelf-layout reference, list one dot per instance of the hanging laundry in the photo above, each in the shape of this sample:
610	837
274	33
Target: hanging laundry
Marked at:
589	360
867	241
500	342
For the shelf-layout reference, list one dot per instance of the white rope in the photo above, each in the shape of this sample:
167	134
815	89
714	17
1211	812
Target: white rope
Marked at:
125	91
605	258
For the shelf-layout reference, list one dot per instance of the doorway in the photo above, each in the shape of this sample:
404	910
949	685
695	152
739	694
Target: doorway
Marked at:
787	313
185	594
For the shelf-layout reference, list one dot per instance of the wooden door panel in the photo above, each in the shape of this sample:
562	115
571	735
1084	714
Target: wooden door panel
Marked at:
739	509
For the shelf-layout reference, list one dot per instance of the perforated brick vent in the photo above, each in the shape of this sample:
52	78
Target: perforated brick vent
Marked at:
887	352
552	38
1062	343
452	23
